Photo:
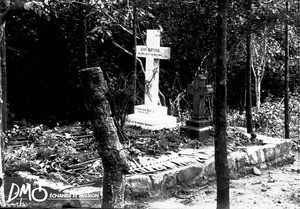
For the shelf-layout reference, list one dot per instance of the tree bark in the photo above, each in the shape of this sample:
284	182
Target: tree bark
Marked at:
257	93
286	78
258	65
83	30
8	11
248	75
221	162
134	53
2	200
85	43
4	77
114	157
3	98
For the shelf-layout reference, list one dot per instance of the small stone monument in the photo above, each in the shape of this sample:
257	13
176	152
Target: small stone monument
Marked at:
199	125
151	115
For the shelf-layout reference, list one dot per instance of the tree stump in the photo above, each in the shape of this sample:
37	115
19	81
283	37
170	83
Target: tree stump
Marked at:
114	157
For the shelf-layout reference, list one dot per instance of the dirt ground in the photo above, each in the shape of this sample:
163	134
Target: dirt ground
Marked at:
275	188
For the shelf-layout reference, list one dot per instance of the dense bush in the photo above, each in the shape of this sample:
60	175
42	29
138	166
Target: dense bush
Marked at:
52	153
269	120
44	55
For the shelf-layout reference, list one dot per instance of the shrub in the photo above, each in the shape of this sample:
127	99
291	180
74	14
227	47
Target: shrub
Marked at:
269	120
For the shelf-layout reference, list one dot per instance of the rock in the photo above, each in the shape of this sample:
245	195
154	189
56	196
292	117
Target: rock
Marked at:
157	180
256	171
139	185
188	176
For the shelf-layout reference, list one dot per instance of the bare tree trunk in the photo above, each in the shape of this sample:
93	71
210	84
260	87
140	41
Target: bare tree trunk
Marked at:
3	102
286	78
220	103
114	157
259	65
2	199
83	30
242	102
257	93
4	77
248	76
8	11
85	43
134	53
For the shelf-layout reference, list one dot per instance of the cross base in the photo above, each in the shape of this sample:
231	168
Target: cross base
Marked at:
199	129
151	117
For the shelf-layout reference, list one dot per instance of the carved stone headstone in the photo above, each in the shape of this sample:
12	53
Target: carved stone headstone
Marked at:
199	125
151	115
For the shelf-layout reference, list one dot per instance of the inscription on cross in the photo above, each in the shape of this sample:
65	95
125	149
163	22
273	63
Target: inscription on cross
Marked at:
200	91
153	52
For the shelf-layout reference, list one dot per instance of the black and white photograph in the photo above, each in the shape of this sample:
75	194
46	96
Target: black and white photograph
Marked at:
159	104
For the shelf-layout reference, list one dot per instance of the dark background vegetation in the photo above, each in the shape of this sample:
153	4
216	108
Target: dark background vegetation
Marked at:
44	54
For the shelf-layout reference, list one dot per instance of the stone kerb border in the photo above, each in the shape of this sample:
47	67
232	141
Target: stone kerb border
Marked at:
242	161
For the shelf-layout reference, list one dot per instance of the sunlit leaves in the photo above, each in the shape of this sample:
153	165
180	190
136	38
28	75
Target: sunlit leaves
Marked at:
270	119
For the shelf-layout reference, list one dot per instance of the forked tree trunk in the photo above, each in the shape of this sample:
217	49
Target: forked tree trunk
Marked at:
258	65
114	157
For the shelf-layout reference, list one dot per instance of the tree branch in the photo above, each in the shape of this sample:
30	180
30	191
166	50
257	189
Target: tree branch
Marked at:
128	52
263	67
32	5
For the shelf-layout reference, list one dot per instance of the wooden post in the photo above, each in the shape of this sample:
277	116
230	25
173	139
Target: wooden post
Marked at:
114	157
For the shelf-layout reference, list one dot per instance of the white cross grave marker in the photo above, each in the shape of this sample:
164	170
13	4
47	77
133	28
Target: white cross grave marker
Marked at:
151	115
153	52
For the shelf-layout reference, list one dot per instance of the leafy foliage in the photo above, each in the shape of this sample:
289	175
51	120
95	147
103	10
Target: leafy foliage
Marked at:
50	49
54	154
270	119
